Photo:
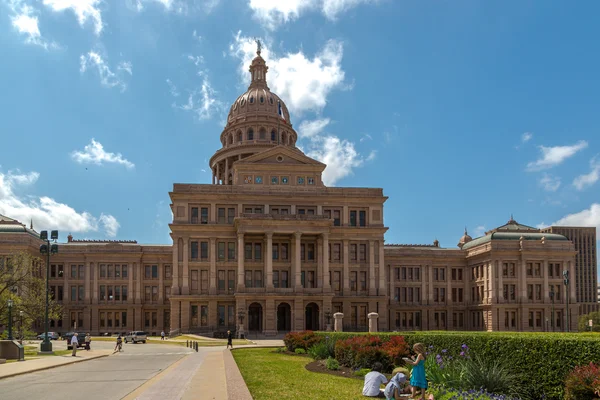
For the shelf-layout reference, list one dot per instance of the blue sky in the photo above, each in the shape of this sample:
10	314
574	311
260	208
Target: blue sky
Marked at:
464	112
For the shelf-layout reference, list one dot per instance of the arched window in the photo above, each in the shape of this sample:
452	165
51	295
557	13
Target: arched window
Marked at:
239	137
273	136
262	99
283	137
250	134
251	99
231	139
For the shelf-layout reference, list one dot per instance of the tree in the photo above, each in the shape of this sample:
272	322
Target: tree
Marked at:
584	322
23	280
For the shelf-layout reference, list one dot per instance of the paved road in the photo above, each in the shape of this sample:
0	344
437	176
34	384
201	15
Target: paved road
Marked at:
101	379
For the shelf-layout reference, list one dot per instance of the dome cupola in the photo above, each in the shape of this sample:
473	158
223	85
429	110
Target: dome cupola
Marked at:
464	239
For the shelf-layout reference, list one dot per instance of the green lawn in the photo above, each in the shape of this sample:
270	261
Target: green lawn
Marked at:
276	376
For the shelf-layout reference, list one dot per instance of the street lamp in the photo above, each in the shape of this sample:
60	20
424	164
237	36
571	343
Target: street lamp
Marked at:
10	304
241	315
566	282
552	299
47	249
21	324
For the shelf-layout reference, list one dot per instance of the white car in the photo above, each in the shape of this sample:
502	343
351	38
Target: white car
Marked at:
136	337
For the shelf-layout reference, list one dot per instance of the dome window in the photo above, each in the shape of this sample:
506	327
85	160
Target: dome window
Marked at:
250	134
273	136
262	99
251	99
271	100
240	137
243	102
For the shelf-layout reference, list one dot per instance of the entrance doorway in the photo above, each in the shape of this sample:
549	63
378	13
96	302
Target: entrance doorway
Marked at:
255	317
284	317
311	317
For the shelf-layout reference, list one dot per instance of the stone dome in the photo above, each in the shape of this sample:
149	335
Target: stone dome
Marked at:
464	239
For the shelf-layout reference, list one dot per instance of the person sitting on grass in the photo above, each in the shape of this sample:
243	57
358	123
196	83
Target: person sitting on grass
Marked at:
373	382
395	387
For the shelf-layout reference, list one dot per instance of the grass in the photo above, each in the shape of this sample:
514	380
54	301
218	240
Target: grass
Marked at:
31	353
276	376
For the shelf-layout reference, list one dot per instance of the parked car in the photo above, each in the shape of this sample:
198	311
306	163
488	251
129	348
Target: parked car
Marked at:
136	336
51	336
80	337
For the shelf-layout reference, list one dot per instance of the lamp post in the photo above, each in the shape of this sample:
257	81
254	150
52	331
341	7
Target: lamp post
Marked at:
10	304
552	300
21	325
566	282
241	315
47	249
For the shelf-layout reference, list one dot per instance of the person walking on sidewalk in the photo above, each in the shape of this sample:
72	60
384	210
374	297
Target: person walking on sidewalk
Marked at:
88	340
74	344
229	339
119	343
162	335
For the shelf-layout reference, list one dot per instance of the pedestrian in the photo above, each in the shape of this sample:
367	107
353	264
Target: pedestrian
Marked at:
162	335
88	340
74	344
119	343
229	339
373	382
417	375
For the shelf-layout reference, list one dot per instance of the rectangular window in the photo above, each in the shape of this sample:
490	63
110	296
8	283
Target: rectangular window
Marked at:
353	252
310	255
248	276
194	280
362	218
230	315
154	293
302	251
102	320
275	279
303	278
147	293
204	280
337	250
257	251
52	269
221	313
275	253
284	251
221	251
352	218
204	215
284	279
363	280
203	315
73	293
194	251
124	271
362	252
311	279
109	319
230	215
109	289
73	271
221	215
102	292
117	271
204	250
194	215
147	272
81	272
353	278
231	280
529	265
336	218
231	251
117	293
258	279
109	271
155	272
337	277
124	293
221	276
248	251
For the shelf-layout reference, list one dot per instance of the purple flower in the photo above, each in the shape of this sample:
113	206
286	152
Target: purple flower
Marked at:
444	351
462	353
464	346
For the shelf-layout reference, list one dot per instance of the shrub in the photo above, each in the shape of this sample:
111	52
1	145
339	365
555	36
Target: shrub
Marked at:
280	350
319	351
582	382
332	364
362	372
304	340
364	351
300	350
540	361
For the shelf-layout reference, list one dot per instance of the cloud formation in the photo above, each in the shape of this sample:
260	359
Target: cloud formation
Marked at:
587	217
583	181
274	13
45	211
550	183
94	153
309	129
526	137
108	78
26	23
303	83
84	10
553	156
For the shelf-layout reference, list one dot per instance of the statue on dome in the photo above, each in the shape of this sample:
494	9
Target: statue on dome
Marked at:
258	46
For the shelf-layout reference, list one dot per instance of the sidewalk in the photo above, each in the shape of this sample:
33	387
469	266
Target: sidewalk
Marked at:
47	362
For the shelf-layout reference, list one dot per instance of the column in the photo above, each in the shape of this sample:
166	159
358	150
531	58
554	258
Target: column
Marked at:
372	289
346	268
522	283
546	288
218	175
226	180
138	284
240	283
213	176
345	216
185	289
326	283
269	262
382	271
161	289
373	316
95	284
297	265
212	274
320	277
88	276
430	280
175	284
130	290
486	286
212	213
449	299
493	271
500	282
572	284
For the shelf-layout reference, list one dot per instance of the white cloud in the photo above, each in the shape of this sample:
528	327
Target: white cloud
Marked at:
340	156
176	6
303	83
553	156
308	129
111	225
197	60
94	153
274	13
203	102
27	24
479	231
108	78
366	136
45	211
172	88
526	137
550	183
196	36
583	181
587	217
83	9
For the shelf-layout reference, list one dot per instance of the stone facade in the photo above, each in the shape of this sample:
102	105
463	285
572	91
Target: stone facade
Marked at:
268	248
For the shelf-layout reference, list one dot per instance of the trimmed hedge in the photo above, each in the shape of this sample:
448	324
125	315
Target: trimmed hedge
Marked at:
541	360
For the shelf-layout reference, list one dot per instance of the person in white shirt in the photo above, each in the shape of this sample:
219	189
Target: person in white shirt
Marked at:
74	344
373	382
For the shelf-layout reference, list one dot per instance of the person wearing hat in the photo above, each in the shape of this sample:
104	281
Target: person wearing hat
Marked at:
395	387
74	344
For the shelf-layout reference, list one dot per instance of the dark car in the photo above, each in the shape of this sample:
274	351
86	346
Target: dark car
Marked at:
51	336
80	338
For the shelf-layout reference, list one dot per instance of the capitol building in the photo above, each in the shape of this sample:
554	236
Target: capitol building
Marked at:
267	248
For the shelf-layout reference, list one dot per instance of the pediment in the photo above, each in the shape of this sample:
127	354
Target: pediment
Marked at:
280	155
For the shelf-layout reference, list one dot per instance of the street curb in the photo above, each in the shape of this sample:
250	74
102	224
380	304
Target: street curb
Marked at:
53	366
